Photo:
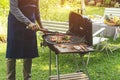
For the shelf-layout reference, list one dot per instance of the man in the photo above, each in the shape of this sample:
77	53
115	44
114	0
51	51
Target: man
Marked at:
21	40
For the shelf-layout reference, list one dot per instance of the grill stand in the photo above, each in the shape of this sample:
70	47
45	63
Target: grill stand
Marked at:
84	65
50	64
57	66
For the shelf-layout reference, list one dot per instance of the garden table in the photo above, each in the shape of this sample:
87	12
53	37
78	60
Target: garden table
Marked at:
111	31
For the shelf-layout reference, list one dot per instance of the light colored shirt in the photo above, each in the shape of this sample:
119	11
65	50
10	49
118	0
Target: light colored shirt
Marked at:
17	12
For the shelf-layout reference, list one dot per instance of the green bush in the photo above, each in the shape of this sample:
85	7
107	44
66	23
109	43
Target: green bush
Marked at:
4	6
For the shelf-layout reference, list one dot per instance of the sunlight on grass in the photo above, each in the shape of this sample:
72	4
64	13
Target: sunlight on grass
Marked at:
2	47
114	46
118	67
19	61
45	67
94	10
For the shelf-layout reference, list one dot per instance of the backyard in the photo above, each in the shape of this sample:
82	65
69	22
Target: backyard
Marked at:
102	66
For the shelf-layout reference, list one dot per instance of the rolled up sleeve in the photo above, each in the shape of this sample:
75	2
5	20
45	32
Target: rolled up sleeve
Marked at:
17	12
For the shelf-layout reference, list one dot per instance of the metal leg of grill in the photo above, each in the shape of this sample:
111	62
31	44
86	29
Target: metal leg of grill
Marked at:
50	64
57	65
88	59
84	65
76	63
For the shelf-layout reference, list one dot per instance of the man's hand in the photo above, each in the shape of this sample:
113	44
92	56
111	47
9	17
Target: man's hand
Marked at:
43	30
33	26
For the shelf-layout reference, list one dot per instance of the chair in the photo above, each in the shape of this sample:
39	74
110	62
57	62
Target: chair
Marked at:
98	39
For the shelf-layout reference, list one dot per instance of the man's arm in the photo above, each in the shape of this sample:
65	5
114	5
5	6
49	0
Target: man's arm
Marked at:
17	13
37	14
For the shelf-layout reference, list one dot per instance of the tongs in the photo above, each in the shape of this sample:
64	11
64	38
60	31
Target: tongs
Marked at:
47	32
43	30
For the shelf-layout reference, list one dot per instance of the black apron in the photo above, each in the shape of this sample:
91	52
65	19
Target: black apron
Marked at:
22	42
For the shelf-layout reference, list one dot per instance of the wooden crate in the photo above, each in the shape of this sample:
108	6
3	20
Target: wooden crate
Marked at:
71	76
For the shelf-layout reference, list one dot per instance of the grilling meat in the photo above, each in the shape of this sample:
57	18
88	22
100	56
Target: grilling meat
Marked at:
60	38
82	47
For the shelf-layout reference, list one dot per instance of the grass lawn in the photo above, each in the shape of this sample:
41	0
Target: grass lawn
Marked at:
100	66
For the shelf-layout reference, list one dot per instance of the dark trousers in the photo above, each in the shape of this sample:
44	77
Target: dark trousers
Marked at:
11	69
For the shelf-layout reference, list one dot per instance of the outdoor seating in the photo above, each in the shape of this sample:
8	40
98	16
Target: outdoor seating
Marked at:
98	37
111	30
112	11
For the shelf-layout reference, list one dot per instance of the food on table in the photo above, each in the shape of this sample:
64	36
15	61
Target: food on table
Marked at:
118	22
112	20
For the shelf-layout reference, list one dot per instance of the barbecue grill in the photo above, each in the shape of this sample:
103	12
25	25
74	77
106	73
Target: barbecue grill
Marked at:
80	30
